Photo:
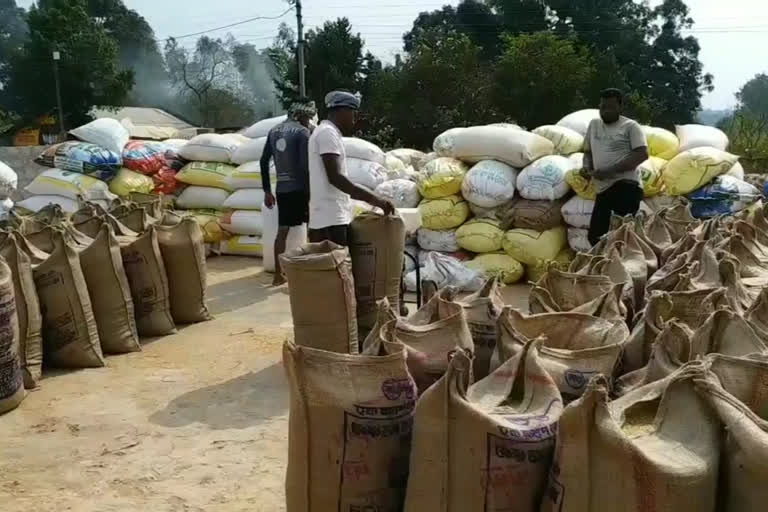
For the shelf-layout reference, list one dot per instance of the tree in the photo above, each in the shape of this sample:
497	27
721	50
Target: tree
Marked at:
539	78
753	96
89	68
13	34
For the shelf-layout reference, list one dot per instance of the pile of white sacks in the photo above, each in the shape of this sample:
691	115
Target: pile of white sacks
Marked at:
510	202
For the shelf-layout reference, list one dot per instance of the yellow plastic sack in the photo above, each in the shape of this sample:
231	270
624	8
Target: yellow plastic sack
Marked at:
565	140
534	273
581	185
243	246
480	235
501	265
692	169
444	213
441	177
206	174
651	173
128	181
530	247
209	224
661	143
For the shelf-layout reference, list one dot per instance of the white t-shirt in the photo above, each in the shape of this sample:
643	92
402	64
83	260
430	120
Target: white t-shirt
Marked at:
328	206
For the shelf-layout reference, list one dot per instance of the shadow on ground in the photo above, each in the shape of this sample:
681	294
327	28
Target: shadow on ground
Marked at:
242	402
237	294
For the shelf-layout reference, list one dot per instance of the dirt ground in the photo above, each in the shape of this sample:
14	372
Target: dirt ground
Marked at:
197	421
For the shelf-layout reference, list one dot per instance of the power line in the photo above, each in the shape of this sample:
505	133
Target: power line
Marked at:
243	22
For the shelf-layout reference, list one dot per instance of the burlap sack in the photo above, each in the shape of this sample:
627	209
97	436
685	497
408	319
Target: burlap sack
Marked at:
575	346
110	293
11	380
86	212
349	430
727	333
757	315
384	315
136	220
563	291
691	308
154	205
655	233
148	280
429	336
183	253
736	390
70	334
322	294
656	448
376	246
27	310
482	309
487	446
754	264
526	214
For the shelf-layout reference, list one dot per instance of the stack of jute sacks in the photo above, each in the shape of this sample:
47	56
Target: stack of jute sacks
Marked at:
94	282
638	379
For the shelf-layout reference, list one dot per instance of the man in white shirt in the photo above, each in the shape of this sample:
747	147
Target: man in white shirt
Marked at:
330	191
614	147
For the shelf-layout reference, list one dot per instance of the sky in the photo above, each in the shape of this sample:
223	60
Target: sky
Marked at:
733	35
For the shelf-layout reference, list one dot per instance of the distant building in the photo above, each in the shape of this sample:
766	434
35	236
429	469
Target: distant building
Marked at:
149	123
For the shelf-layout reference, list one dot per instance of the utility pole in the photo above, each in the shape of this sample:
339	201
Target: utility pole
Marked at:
300	51
56	58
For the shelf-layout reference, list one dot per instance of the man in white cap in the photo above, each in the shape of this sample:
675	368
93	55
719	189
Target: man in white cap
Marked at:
331	192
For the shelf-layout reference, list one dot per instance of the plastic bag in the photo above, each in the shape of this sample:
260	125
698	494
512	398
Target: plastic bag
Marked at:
82	157
447	271
145	156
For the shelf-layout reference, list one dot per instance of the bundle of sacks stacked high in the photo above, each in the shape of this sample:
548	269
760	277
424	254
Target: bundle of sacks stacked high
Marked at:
95	281
638	376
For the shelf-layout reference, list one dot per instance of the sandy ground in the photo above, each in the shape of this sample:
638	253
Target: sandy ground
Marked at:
197	421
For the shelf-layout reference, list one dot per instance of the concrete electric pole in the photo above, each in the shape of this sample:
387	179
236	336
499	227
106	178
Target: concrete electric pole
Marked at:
300	51
56	59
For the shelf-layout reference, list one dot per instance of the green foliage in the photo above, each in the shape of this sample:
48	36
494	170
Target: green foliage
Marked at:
753	96
89	68
13	34
540	78
748	134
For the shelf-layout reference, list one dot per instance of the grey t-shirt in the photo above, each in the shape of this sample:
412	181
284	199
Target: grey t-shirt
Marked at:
611	143
287	144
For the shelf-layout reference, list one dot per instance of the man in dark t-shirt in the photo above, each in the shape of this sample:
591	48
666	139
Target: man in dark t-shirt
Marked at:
287	145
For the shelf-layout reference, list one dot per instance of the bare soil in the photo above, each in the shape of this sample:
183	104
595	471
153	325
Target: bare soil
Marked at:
197	421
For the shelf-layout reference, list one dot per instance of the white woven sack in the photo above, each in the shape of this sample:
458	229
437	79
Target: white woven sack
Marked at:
297	236
364	150
544	180
407	156
366	173
209	147
243	222
206	198
699	136
37	203
737	171
245	199
8	181
443	241
489	184
566	141
579	121
249	151
578	240
402	193
107	133
517	148
6	205
577	212
261	128
69	184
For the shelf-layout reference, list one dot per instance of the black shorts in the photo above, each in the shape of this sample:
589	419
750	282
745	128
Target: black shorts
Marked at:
336	234
292	208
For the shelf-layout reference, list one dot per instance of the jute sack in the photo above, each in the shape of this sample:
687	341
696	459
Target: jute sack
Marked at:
656	448
429	336
487	446
690	308
758	313
736	389
349	430
183	254
110	293
137	220
563	291
148	280
70	333
322	292
27	310
11	381
376	247
526	214
483	309
575	346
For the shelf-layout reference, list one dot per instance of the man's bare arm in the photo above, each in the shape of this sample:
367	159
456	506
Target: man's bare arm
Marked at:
630	163
341	182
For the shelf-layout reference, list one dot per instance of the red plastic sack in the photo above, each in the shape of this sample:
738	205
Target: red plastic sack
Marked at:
165	181
146	157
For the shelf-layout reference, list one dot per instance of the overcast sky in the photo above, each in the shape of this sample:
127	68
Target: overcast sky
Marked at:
733	34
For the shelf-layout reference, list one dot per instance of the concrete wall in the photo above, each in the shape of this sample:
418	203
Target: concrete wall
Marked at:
21	160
